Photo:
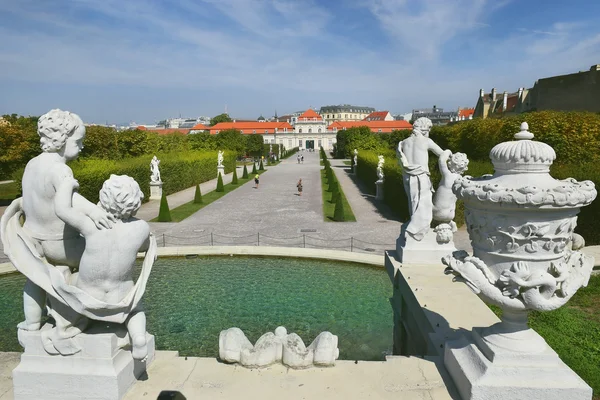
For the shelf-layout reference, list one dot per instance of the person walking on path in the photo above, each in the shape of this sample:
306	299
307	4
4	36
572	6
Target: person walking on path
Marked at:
256	181
299	186
302	159
298	158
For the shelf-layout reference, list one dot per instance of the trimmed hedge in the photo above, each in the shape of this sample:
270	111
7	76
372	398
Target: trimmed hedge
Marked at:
179	171
220	186
575	136
164	214
245	173
197	195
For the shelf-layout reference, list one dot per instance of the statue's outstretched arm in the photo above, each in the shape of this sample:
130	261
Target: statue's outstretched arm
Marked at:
63	207
434	148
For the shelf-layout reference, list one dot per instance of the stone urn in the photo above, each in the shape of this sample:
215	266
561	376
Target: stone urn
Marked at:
520	221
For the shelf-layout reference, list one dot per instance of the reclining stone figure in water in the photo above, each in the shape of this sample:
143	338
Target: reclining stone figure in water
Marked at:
61	136
107	263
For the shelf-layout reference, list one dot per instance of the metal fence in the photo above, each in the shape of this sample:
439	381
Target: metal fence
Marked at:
260	239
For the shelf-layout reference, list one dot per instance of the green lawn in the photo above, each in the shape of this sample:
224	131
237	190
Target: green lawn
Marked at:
8	191
573	331
329	207
347	162
185	210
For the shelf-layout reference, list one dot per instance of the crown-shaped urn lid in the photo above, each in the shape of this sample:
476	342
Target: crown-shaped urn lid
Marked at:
522	178
522	155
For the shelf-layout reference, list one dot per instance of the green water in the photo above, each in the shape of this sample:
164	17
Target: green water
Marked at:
189	301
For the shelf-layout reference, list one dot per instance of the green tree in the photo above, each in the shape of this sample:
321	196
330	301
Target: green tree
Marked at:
100	142
164	214
233	140
234	179
220	187
338	212
202	141
245	173
19	143
220	118
254	145
198	195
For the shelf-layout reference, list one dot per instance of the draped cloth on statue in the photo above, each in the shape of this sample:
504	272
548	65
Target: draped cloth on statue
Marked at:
419	191
22	252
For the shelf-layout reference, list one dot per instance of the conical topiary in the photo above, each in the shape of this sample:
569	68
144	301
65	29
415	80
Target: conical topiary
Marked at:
197	195
164	214
254	171
338	213
261	167
332	181
335	192
234	179
245	173
220	187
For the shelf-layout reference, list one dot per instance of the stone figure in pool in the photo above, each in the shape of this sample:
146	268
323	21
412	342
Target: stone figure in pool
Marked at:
48	248
414	156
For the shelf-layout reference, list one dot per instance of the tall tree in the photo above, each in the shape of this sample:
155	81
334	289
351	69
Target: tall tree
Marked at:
220	118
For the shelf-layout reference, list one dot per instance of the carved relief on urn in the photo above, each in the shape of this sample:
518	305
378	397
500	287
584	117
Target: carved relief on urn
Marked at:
521	221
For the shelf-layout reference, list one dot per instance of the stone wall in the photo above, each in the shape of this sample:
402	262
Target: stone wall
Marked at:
573	92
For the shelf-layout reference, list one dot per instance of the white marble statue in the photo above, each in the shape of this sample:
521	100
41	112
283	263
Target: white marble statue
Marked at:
154	171
220	159
48	248
452	166
270	348
413	154
355	157
520	221
380	163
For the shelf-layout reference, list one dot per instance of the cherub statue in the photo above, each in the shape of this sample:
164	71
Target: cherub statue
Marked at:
61	138
220	158
154	171
108	261
451	167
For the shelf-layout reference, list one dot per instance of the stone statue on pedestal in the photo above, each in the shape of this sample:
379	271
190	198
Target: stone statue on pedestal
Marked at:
220	159
380	163
154	171
417	242
78	259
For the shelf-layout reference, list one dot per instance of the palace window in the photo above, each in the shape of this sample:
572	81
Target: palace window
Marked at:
309	130
254	131
300	130
319	130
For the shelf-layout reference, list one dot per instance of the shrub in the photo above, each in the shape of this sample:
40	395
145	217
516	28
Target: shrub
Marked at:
234	179
245	173
220	187
198	195
338	213
254	171
261	167
164	214
335	192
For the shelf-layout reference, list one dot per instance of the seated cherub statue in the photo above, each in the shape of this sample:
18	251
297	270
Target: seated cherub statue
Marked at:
451	167
107	262
61	135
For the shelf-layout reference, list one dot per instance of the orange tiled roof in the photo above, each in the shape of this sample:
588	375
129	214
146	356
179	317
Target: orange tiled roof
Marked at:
310	115
466	112
375	126
141	128
200	127
376	116
248	127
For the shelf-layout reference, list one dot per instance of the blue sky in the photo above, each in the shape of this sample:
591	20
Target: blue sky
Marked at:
146	60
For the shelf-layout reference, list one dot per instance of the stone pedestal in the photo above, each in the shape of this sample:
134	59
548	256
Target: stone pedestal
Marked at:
103	370
379	193
426	251
482	370
155	190
354	167
221	170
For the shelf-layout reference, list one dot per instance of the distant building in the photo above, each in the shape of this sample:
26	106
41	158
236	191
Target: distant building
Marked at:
379	116
198	128
490	104
437	115
403	117
579	91
375	126
344	112
464	114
